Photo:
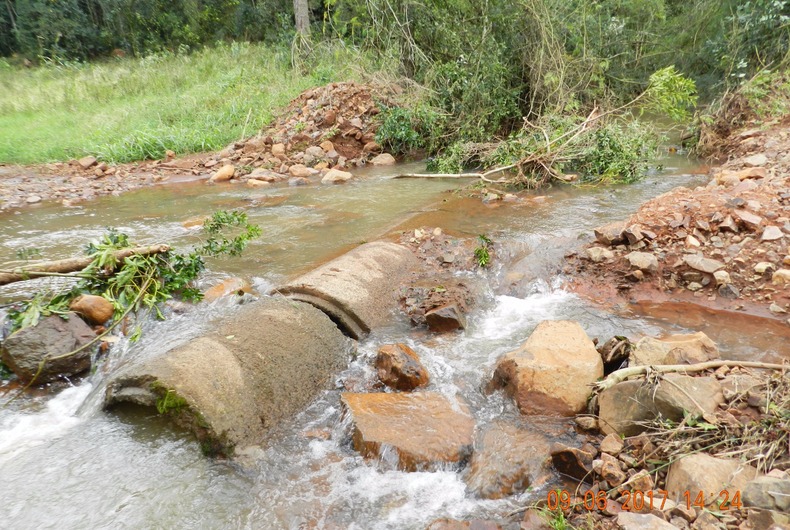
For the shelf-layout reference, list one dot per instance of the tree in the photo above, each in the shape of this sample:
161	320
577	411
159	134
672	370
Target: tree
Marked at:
302	18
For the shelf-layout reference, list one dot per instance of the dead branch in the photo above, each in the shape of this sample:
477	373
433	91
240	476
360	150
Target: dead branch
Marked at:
63	266
624	373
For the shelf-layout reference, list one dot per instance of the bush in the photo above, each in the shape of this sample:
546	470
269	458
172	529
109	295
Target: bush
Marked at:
403	130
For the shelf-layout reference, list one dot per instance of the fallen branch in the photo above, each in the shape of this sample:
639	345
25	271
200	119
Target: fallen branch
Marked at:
482	176
624	373
64	266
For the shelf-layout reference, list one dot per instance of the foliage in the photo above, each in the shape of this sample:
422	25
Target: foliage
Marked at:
169	402
143	281
671	94
402	130
482	252
619	153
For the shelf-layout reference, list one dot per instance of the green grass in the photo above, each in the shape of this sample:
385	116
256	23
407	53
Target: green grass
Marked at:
132	109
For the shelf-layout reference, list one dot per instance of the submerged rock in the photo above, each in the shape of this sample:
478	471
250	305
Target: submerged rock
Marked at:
227	287
626	406
507	460
336	176
420	430
23	351
552	372
472	524
399	367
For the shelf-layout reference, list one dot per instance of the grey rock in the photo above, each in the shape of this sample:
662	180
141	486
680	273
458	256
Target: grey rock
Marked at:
610	234
768	493
24	350
702	264
701	472
625	406
643	261
771	233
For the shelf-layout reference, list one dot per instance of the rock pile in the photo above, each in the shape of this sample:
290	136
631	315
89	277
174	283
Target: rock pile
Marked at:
323	132
725	243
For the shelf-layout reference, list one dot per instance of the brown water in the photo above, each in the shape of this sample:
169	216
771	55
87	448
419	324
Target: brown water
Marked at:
64	463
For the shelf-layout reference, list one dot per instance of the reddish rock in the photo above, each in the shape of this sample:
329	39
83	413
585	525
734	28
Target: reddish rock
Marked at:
399	367
227	287
87	162
224	174
446	318
552	372
94	309
572	462
424	429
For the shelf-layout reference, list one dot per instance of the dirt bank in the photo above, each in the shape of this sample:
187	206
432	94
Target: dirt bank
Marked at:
328	127
724	245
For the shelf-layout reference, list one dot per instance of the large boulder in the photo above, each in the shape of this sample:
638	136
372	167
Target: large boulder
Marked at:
25	350
675	349
399	367
625	407
701	472
424	430
552	372
358	289
233	384
507	460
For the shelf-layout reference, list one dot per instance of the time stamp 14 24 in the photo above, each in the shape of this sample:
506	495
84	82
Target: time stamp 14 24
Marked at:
638	501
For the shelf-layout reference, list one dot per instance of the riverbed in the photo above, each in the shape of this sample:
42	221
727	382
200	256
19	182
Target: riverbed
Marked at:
65	463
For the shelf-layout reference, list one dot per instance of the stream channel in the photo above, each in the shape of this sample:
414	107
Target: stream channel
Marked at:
65	463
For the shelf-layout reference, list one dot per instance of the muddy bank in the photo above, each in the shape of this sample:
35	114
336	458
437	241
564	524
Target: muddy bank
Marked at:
327	128
724	245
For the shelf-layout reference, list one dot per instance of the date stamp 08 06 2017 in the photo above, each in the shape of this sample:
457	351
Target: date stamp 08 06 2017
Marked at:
637	501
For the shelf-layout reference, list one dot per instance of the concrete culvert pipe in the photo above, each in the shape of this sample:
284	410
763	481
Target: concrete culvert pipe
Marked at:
230	386
358	290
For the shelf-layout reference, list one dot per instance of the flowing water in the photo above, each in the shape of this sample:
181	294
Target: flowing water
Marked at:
64	463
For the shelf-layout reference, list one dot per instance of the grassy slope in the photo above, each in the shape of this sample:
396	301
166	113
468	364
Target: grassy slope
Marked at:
131	109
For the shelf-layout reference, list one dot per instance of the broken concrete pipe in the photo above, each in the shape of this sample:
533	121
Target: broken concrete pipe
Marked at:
358	289
272	358
231	385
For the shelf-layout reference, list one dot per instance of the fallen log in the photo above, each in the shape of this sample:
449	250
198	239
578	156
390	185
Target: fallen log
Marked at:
64	266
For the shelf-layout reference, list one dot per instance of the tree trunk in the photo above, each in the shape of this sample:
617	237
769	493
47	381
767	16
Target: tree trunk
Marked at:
63	266
302	17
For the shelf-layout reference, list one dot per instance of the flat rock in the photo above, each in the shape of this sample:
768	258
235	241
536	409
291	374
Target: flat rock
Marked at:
448	317
768	493
700	472
87	162
255	183
675	349
551	372
750	220
507	460
336	176
24	350
423	429
755	160
399	367
625	406
771	233
702	264
643	261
